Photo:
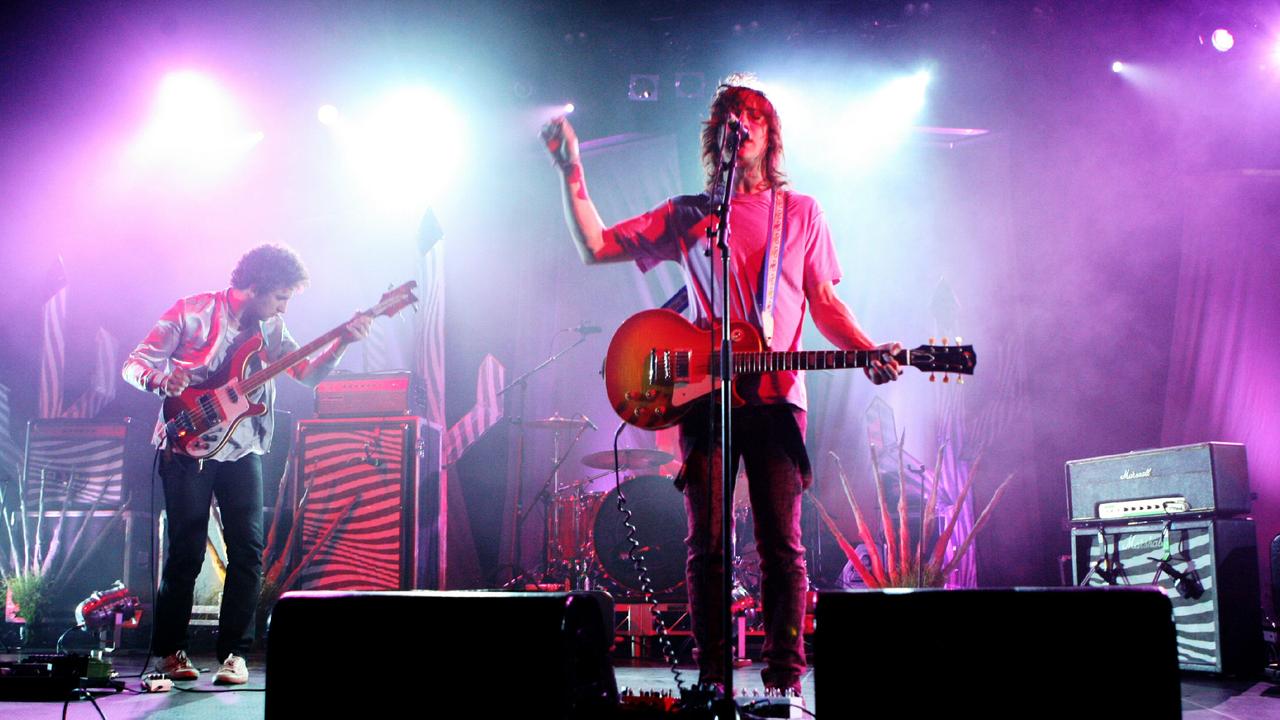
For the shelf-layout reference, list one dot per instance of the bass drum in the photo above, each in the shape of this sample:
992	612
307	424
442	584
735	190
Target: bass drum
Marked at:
658	513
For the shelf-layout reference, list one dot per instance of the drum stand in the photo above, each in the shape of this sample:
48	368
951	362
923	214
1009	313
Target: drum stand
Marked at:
546	496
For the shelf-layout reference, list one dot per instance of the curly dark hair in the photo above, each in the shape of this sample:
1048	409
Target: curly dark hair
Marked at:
732	97
269	267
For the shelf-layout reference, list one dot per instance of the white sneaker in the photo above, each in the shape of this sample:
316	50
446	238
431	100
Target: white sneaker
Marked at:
232	672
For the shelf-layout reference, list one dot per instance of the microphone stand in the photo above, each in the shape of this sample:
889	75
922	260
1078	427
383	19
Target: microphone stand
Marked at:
730	138
518	515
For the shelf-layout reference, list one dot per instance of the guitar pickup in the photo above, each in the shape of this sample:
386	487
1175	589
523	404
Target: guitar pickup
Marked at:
669	366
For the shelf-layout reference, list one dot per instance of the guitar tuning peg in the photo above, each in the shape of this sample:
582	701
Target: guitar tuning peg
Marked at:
946	378
959	340
931	341
944	342
959	379
932	377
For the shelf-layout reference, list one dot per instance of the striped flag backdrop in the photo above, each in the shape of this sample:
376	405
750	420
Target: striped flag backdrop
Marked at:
102	387
53	346
10	456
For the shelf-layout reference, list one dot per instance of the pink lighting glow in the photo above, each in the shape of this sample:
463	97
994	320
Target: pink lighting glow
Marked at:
195	123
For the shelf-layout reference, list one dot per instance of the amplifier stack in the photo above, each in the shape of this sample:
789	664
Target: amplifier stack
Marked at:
376	508
1173	518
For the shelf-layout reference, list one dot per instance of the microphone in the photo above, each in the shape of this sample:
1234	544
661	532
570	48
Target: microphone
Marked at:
583	328
735	125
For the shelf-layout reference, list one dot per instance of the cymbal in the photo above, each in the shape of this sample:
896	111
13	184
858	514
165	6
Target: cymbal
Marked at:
558	422
632	459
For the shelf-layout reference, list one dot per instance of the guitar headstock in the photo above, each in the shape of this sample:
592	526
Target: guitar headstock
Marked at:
395	300
957	359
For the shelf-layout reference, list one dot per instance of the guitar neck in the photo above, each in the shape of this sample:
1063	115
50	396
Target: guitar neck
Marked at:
260	378
762	362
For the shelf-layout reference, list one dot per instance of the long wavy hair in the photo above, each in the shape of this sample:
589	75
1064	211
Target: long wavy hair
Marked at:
732	98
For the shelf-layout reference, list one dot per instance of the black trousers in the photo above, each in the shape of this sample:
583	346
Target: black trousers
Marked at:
188	488
769	439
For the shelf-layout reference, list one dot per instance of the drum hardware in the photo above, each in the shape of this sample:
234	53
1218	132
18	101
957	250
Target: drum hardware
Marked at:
630	459
548	495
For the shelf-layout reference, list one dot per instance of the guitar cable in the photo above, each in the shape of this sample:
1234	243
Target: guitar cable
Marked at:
636	555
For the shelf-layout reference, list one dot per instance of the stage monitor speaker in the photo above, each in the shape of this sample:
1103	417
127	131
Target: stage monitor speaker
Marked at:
1210	575
373	514
1023	652
442	654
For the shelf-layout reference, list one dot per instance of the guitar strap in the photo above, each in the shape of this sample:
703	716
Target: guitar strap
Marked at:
772	267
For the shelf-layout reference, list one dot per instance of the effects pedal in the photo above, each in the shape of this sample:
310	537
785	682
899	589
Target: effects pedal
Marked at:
156	683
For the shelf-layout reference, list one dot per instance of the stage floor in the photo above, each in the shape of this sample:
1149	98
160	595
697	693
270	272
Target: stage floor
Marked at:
1204	697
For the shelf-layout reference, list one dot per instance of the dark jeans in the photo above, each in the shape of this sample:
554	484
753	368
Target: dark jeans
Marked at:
187	491
770	440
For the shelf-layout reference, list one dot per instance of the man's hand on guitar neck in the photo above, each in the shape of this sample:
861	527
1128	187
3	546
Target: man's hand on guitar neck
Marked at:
357	328
884	368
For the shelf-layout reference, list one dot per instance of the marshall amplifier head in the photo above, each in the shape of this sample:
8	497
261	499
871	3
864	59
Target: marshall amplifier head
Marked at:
1204	479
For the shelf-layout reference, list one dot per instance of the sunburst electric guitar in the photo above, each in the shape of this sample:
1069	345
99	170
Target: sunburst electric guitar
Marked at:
659	364
199	421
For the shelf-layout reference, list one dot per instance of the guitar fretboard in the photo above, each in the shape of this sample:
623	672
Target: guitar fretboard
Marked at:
762	362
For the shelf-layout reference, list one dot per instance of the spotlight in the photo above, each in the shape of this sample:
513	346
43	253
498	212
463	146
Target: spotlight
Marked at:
690	84
1222	40
1117	67
328	115
643	88
404	149
568	108
195	123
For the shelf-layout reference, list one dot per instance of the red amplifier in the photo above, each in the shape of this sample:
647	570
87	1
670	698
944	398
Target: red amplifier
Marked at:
381	394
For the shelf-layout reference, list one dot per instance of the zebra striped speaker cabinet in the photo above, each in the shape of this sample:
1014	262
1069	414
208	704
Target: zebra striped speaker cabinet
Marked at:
373	507
1209	570
75	464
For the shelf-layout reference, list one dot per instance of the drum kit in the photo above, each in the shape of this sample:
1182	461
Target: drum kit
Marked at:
587	545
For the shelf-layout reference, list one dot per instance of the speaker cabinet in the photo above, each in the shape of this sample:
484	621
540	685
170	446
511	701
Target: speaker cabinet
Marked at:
1210	575
1025	652
91	551
74	464
442	654
373	509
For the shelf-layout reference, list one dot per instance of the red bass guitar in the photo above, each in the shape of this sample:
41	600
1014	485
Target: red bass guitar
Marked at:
199	421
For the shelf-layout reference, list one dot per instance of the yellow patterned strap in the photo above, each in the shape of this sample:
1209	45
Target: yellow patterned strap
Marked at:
773	261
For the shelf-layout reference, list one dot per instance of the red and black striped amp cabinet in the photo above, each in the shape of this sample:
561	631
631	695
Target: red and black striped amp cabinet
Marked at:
373	509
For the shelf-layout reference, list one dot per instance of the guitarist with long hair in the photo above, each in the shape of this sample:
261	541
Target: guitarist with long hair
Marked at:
192	344
774	232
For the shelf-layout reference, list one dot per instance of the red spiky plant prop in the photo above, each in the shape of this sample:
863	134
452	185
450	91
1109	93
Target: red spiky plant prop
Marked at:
902	567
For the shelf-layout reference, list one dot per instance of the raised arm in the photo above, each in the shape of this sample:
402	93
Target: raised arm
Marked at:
587	229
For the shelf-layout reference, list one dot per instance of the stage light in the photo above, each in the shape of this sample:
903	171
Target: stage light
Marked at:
568	108
196	123
1117	67
328	115
874	125
404	149
1222	40
690	85
643	88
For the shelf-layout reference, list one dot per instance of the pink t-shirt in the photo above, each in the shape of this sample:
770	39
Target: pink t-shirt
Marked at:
676	231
